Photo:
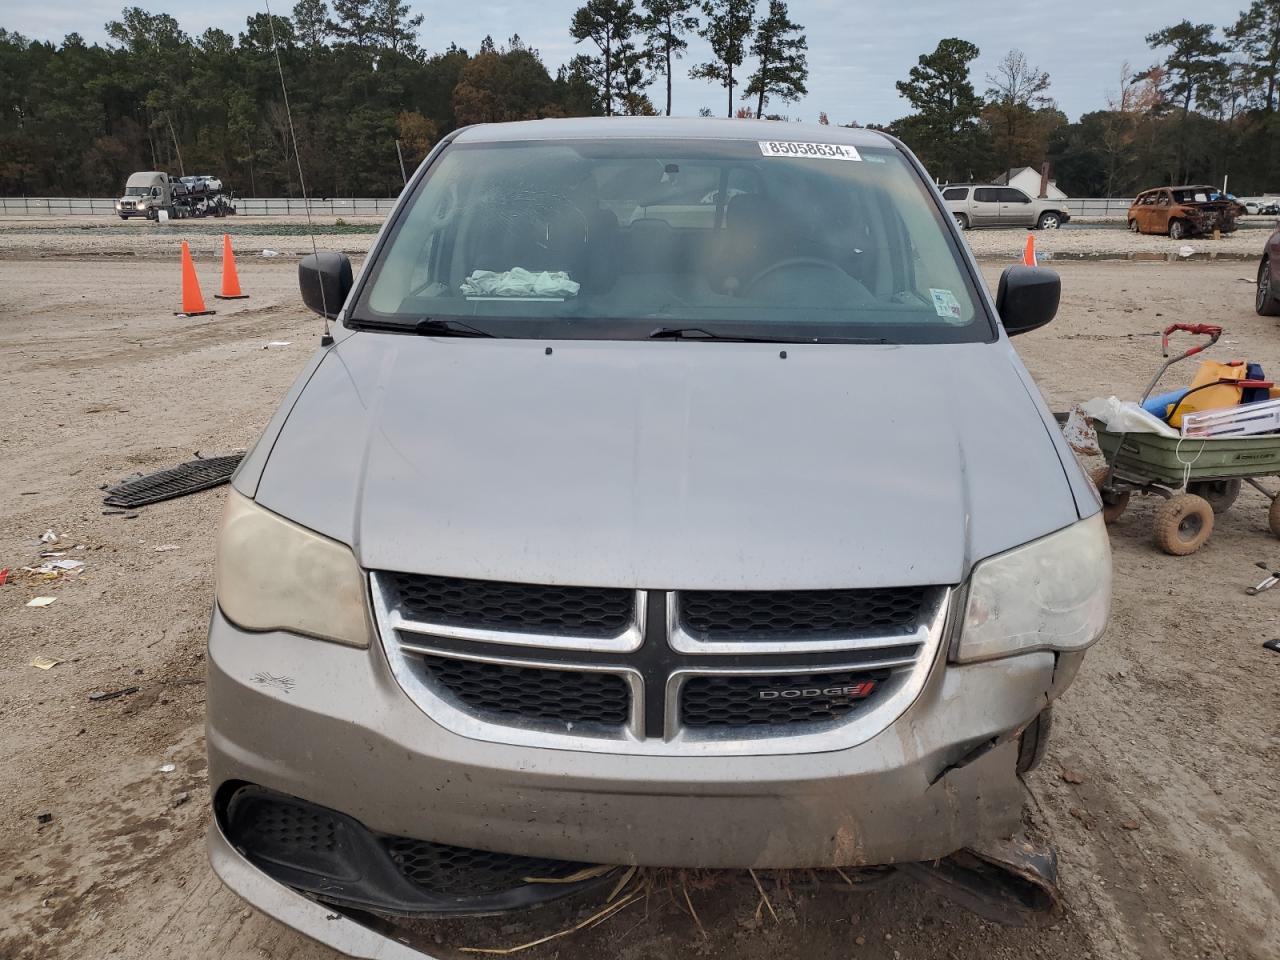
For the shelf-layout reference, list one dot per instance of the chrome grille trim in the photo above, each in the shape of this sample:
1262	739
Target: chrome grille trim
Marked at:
685	642
404	641
628	641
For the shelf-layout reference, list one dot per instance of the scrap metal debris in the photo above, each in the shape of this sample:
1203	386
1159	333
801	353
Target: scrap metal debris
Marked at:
45	663
190	477
101	695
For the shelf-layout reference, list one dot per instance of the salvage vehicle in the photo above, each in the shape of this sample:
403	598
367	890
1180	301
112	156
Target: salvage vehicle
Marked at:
1184	212
996	206
613	525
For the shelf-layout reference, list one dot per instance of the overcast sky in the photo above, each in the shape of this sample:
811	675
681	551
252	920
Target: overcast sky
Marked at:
857	49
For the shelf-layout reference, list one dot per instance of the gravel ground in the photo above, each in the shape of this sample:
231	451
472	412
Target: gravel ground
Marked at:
1158	790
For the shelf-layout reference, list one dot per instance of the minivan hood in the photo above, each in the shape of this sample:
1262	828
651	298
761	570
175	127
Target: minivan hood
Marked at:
669	465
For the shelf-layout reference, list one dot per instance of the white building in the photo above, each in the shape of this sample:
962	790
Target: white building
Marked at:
1028	181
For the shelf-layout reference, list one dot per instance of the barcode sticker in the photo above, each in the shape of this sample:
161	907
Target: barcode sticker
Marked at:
808	151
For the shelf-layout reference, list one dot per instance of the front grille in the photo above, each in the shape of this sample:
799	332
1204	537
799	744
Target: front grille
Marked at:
519	607
572	696
736	701
780	613
463	872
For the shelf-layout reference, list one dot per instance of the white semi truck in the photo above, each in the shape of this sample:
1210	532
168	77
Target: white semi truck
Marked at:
148	193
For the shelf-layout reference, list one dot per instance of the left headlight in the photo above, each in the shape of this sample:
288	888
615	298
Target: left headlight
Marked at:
275	575
1051	594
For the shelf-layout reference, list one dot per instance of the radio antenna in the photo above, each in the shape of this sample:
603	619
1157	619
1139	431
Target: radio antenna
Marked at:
327	339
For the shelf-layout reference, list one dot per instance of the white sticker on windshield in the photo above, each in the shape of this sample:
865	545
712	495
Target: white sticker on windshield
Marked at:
812	151
945	304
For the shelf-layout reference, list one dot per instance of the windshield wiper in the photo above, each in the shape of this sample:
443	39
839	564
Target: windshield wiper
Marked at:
425	327
701	333
438	327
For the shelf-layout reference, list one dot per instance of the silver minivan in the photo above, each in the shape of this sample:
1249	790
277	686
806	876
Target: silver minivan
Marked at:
666	493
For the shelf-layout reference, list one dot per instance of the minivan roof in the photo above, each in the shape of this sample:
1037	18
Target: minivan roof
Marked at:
668	128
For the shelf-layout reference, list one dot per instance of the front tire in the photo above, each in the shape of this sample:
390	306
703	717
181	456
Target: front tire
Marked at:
1034	741
1133	226
961	221
1049	221
1264	301
1177	230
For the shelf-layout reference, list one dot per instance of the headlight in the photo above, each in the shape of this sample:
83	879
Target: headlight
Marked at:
276	575
1051	594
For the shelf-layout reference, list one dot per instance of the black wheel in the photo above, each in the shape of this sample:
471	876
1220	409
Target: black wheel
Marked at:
1049	221
1035	741
1221	494
1133	226
961	221
1177	230
1264	301
1183	524
1114	502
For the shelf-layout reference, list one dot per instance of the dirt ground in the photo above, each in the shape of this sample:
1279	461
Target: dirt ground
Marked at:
1169	844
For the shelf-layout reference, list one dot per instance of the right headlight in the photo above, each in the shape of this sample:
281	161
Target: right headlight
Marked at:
1051	594
276	575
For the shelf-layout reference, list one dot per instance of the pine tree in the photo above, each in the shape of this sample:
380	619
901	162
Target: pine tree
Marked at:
665	24
395	28
780	47
727	28
609	25
353	22
1256	35
311	21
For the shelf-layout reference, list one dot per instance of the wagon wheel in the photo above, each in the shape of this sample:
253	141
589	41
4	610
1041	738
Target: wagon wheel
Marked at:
1221	494
1183	523
1273	516
1114	502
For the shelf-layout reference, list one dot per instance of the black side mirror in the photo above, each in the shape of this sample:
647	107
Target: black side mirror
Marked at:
325	281
1027	298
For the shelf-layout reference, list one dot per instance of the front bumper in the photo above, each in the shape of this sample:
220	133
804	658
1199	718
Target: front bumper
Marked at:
329	724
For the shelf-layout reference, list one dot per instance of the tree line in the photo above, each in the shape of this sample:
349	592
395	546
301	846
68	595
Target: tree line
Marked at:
77	118
1205	110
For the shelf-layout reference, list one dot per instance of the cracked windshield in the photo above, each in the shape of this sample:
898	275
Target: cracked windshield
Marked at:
742	237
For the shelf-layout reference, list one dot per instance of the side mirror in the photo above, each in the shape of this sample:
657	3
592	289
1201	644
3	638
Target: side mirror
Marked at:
325	281
1027	298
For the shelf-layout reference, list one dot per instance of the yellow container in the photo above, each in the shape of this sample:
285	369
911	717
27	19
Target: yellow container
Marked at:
1211	398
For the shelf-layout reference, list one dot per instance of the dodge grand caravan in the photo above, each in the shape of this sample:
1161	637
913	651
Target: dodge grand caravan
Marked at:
666	493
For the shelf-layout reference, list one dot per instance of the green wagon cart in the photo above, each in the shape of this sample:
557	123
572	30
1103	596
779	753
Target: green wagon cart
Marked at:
1197	476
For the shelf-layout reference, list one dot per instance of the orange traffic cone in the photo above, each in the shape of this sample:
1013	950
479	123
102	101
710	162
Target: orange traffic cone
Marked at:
230	282
1029	252
192	301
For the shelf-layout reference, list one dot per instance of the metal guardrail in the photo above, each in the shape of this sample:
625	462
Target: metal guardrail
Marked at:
369	206
248	206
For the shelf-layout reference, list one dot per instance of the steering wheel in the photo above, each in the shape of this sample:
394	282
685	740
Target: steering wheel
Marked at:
790	262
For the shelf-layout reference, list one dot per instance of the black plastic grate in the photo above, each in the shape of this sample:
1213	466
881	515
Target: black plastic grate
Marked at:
284	832
798	613
572	696
519	607
750	701
462	872
190	477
